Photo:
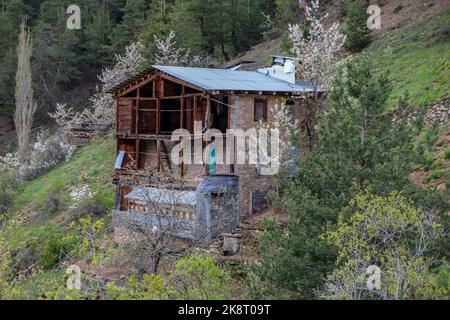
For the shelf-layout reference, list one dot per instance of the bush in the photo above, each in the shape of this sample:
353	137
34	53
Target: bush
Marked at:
56	249
8	184
358	35
447	155
200	278
54	200
433	176
390	233
96	203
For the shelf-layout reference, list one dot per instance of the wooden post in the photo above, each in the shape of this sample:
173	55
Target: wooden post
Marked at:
137	127
182	127
182	109
158	120
208	119
195	107
158	153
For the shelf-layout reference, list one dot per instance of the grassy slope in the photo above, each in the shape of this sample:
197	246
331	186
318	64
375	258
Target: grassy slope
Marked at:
92	165
32	229
417	58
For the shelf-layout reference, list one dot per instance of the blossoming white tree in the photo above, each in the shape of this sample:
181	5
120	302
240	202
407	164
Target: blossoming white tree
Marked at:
101	113
170	53
317	49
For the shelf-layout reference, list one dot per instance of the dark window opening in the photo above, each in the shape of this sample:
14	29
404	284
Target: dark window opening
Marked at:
189	90
172	89
148	158
219	112
146	91
131	94
290	106
170	115
260	110
188	120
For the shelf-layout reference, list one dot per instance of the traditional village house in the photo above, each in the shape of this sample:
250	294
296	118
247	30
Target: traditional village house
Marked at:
162	99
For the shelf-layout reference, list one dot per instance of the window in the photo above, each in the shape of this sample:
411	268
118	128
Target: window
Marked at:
260	110
290	106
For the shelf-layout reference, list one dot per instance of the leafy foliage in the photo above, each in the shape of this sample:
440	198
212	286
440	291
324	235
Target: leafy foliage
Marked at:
361	148
391	233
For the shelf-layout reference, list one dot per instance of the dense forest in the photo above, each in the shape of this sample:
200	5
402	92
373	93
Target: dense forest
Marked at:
63	59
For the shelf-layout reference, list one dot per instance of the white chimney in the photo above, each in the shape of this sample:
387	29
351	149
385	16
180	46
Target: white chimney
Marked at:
283	68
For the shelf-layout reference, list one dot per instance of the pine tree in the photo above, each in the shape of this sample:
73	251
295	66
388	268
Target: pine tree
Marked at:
11	14
360	148
134	15
358	35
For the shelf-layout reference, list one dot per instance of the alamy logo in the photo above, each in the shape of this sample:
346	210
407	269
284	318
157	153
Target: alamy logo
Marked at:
374	20
74	277
74	20
374	280
259	147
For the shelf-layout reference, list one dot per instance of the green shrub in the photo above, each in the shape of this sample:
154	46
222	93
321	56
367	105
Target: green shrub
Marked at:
98	204
200	278
429	160
54	200
433	176
56	249
8	185
447	155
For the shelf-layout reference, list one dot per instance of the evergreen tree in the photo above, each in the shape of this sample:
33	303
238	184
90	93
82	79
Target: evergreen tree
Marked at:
97	44
360	148
11	14
358	35
123	34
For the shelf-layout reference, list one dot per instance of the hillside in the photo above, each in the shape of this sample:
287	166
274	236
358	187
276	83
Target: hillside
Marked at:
43	223
415	53
44	228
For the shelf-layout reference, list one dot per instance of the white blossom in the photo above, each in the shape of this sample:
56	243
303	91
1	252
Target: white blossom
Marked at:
9	162
170	53
79	194
318	51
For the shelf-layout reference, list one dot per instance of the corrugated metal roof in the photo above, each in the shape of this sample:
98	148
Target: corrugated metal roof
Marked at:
229	80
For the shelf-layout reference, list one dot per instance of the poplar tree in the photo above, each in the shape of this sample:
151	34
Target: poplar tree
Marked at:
25	104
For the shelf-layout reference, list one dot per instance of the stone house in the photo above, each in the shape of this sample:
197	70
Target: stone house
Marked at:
161	100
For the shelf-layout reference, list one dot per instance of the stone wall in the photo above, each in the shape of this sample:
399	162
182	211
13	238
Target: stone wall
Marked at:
242	117
438	112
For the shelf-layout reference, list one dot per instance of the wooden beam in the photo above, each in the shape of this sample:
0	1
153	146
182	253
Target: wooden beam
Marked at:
195	107
130	88
137	127
181	82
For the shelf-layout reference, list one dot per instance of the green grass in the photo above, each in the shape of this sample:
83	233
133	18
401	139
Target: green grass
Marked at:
447	155
92	165
417	58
